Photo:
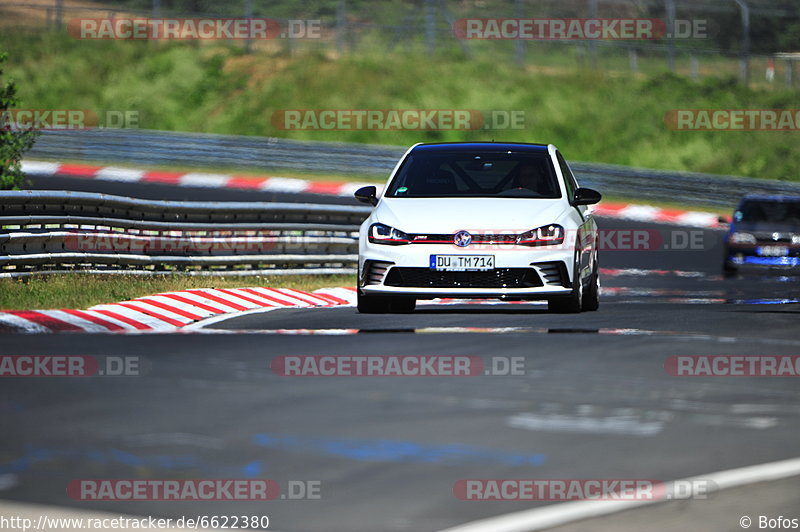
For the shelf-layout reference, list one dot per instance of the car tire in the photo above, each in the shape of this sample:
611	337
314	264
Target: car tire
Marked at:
729	270
385	305
402	305
591	295
573	303
372	304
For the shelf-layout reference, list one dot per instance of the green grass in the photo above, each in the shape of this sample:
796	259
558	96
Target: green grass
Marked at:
591	116
83	291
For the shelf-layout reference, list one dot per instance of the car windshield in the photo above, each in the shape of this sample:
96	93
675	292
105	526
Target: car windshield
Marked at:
785	214
473	174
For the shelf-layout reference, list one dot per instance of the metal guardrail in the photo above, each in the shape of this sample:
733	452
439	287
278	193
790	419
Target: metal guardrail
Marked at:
43	231
680	187
145	147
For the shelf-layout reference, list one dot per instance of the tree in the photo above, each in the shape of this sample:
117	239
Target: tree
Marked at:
13	141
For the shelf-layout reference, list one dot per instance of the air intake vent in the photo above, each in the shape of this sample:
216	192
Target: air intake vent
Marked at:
497	278
374	271
553	273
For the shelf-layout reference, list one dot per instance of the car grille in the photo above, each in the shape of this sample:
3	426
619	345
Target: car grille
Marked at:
478	238
497	278
770	240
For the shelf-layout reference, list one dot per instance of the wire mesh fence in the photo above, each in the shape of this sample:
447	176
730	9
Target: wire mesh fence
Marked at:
750	39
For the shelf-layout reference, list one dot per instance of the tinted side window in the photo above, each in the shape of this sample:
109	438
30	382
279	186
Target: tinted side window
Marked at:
569	179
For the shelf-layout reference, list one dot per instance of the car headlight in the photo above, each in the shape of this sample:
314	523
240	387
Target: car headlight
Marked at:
546	235
742	238
383	234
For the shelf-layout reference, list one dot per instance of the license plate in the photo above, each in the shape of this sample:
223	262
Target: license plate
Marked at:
773	251
462	263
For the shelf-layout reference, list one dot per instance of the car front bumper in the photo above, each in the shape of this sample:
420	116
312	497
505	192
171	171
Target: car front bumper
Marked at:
520	273
752	255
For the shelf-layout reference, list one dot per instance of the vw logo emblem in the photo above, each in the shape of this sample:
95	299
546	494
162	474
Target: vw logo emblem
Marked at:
462	239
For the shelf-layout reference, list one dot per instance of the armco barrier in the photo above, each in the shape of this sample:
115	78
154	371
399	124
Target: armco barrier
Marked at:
43	231
153	148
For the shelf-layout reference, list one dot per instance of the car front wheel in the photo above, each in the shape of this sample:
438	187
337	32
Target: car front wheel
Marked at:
591	295
574	302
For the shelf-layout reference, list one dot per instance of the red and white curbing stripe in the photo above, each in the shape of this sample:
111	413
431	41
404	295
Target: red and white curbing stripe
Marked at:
627	211
186	309
191	179
170	311
648	213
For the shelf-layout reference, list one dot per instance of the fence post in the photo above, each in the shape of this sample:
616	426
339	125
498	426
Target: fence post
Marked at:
519	44
670	6
787	72
341	25
451	23
633	59
248	14
744	54
430	26
694	67
592	42
59	13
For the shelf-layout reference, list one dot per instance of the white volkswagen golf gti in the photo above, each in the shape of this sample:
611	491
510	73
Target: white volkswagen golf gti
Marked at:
479	220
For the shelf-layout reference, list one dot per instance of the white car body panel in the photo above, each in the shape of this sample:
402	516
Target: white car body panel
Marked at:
483	215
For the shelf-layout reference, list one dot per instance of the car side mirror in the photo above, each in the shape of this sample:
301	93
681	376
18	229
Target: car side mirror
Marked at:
723	220
585	196
367	194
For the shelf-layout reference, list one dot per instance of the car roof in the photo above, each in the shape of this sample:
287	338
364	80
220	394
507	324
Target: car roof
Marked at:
481	146
775	198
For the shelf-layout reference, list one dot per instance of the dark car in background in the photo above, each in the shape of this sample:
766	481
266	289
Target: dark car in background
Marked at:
764	232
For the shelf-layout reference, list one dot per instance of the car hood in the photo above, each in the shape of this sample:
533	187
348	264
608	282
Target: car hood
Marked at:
447	216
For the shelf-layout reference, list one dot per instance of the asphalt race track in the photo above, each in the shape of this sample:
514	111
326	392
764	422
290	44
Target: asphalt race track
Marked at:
594	399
